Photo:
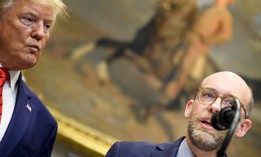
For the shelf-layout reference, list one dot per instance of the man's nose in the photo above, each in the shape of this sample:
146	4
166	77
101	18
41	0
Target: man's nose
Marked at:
216	105
38	31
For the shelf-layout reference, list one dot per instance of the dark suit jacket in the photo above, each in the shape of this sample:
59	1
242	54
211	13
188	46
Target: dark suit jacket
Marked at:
30	133
144	149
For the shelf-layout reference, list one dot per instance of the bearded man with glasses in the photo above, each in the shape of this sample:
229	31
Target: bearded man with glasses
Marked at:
216	91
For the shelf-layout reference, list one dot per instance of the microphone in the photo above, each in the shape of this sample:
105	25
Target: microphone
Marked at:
226	118
223	119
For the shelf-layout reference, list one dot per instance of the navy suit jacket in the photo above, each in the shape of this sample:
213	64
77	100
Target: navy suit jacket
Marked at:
144	149
31	133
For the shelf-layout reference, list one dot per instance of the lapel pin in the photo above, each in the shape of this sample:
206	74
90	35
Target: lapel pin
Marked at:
29	108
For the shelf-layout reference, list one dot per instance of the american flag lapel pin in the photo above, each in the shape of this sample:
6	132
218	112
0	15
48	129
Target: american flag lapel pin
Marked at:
29	108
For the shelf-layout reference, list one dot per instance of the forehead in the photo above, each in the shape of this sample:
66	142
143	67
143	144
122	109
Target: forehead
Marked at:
228	84
32	7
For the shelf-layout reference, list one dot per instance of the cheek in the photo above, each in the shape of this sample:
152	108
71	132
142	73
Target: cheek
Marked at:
197	111
192	111
8	44
44	42
15	37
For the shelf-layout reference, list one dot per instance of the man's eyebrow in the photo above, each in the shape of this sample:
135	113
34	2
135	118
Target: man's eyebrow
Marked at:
48	21
36	15
230	95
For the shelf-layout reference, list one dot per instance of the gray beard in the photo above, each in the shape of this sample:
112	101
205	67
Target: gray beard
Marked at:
204	139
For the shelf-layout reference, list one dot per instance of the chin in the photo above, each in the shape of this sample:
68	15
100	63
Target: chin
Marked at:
24	66
28	66
31	62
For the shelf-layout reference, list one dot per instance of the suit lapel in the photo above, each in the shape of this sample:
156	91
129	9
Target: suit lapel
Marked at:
19	121
167	149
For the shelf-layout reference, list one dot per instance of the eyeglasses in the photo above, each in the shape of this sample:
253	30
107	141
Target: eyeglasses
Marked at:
207	96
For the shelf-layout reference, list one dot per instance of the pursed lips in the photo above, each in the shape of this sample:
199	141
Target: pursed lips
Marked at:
35	47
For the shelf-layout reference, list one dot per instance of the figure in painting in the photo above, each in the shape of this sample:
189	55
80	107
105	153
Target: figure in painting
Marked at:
153	68
212	27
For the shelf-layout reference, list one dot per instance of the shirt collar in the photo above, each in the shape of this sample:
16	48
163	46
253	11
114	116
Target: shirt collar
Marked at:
184	150
14	75
13	79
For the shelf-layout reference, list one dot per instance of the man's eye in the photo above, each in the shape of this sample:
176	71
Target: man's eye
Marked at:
27	20
228	102
47	27
208	95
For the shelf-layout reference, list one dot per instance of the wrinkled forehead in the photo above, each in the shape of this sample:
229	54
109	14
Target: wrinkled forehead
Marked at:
228	83
7	4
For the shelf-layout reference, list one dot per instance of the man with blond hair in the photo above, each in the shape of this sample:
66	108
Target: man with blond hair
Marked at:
26	126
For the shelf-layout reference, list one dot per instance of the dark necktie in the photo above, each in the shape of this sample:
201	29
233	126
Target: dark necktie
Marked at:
4	75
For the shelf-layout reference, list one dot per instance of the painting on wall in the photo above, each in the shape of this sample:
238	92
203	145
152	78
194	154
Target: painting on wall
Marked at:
108	69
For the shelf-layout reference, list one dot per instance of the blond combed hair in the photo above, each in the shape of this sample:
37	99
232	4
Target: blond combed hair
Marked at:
59	8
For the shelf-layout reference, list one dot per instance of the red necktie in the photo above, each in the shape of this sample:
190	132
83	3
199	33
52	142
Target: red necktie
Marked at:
4	75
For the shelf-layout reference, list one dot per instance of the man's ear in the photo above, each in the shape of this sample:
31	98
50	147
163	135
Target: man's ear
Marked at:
243	127
188	108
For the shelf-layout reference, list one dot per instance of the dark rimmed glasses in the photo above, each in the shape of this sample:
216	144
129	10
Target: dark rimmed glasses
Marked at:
207	96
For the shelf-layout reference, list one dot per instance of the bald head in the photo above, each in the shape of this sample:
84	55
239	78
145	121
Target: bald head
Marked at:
229	83
225	3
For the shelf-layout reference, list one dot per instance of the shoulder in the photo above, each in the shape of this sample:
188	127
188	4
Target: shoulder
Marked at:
140	149
131	149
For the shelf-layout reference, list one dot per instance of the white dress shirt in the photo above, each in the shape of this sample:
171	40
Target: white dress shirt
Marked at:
9	97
